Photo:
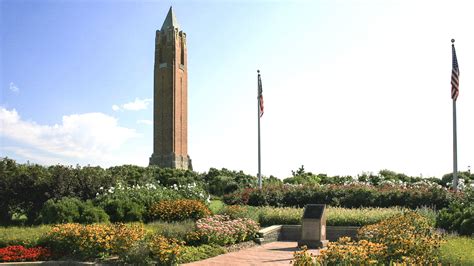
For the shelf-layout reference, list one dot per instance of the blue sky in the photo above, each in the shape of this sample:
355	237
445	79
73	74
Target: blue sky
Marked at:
349	86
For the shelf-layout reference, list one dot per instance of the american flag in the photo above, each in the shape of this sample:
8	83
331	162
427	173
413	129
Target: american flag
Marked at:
454	76
260	95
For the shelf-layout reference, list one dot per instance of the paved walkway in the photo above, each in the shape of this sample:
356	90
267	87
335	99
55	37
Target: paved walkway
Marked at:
274	253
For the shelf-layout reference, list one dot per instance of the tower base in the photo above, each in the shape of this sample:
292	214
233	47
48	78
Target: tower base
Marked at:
171	161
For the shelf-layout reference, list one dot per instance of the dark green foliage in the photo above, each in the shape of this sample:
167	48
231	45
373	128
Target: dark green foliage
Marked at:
132	174
459	216
224	181
91	214
71	210
300	176
124	210
271	181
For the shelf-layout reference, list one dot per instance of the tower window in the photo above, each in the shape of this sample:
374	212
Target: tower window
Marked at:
182	52
160	54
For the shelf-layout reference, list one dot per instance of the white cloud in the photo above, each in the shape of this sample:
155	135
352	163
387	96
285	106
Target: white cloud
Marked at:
144	121
14	88
82	136
35	156
137	105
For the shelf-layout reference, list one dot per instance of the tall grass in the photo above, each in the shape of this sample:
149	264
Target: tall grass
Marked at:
176	230
457	251
27	236
336	216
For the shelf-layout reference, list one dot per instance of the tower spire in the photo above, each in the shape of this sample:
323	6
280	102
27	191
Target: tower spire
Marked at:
170	20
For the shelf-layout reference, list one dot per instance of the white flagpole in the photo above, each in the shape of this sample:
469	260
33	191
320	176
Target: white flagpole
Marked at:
258	114
455	141
455	149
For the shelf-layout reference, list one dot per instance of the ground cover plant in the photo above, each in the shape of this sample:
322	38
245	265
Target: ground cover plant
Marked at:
202	252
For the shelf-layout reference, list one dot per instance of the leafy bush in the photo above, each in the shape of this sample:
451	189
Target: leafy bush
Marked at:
20	253
301	177
164	250
221	230
409	238
459	216
178	210
121	210
353	195
220	182
190	253
69	210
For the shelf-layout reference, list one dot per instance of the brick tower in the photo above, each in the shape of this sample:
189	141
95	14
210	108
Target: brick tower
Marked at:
170	101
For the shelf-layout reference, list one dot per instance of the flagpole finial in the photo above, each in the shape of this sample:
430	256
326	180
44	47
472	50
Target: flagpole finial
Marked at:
452	40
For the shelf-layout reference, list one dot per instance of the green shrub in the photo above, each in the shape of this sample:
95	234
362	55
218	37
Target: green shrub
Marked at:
190	253
349	196
124	211
71	210
65	210
459	216
91	214
216	205
178	210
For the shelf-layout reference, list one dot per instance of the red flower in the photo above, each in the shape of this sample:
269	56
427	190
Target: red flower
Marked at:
20	253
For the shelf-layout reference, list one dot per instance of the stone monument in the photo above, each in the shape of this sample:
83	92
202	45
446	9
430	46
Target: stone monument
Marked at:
313	229
170	100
